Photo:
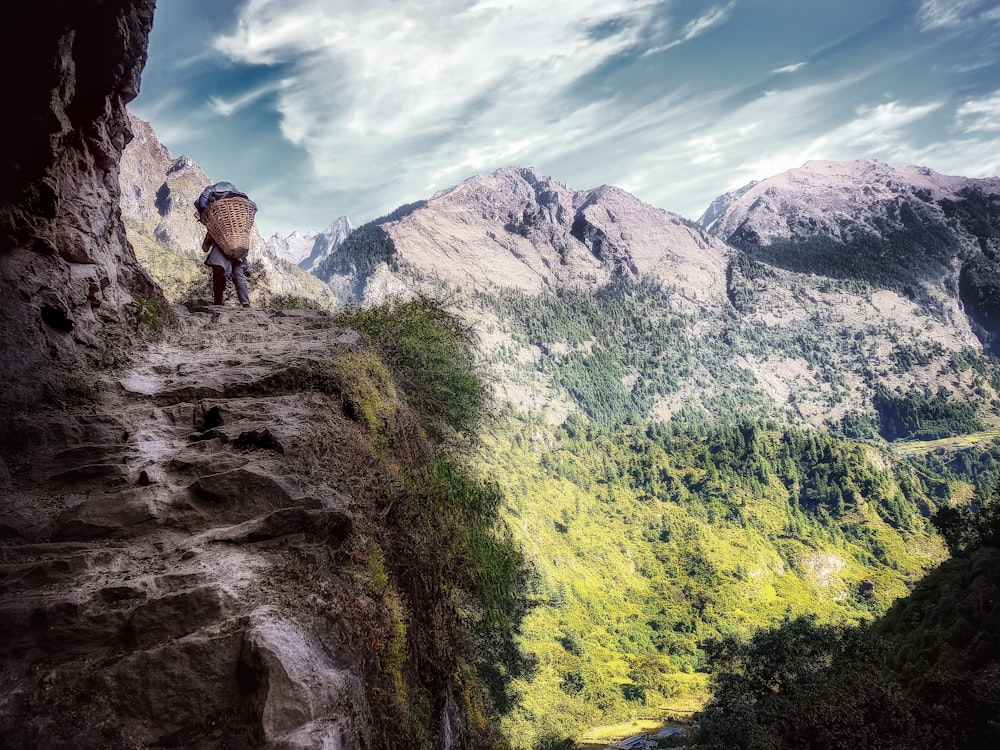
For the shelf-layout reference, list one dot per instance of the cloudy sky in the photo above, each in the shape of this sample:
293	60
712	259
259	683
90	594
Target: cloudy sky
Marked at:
324	108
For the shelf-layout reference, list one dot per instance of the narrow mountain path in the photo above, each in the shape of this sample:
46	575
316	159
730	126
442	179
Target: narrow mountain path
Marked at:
142	536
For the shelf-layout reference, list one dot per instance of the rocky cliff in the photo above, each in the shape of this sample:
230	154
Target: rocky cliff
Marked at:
214	523
67	274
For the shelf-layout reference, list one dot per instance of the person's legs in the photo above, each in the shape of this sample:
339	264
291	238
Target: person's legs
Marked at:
240	282
218	283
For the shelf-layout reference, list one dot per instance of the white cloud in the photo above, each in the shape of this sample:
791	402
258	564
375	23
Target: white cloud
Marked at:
980	115
714	17
956	14
777	130
968	157
879	127
227	107
790	68
380	89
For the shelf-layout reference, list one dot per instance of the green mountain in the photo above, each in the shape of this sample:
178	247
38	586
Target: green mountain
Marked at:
702	439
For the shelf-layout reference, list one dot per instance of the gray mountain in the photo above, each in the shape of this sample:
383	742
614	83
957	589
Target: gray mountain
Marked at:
909	230
812	292
308	250
517	229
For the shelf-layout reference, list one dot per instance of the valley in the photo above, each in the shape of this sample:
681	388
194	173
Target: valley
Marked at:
701	432
514	466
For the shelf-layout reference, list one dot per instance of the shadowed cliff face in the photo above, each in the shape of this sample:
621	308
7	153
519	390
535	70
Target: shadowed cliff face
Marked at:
67	273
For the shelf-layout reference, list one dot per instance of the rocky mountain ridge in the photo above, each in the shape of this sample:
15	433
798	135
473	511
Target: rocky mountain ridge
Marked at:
839	199
518	229
911	230
802	341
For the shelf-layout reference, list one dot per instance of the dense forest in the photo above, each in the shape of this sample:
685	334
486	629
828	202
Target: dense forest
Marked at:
658	544
652	541
924	675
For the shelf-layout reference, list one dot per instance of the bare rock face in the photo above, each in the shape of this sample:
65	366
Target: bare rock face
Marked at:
159	191
67	274
517	228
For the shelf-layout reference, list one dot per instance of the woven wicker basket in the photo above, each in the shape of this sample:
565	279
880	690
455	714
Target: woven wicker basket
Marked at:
230	222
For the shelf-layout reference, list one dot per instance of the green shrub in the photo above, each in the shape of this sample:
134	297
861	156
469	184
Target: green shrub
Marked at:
432	357
147	313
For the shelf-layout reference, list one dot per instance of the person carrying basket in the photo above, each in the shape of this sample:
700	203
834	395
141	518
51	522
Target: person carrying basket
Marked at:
228	217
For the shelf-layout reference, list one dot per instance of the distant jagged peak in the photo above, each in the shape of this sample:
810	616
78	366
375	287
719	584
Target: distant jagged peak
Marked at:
340	225
516	227
307	250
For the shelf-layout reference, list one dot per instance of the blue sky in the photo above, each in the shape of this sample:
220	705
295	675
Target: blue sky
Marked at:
327	108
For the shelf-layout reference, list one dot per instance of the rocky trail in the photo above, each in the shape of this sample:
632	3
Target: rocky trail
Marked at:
143	537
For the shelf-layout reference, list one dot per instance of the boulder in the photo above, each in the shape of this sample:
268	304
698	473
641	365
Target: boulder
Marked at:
101	516
186	683
58	628
35	575
302	699
334	524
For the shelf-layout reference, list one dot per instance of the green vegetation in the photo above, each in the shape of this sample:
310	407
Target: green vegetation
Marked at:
447	580
965	529
148	314
652	540
174	270
805	685
922	415
431	356
293	302
922	676
906	249
368	394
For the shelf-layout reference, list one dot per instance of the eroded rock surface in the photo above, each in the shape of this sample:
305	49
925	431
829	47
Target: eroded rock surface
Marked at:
158	590
67	273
